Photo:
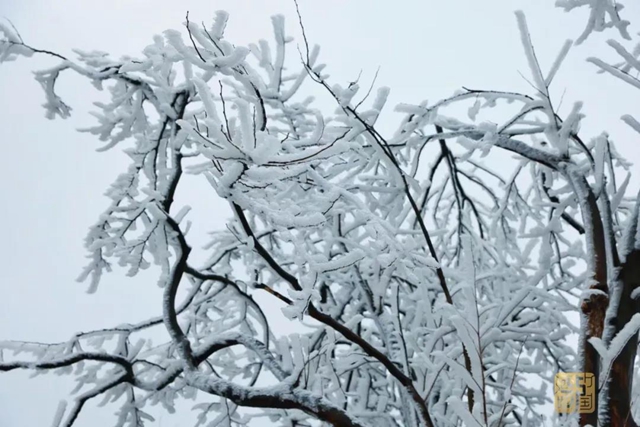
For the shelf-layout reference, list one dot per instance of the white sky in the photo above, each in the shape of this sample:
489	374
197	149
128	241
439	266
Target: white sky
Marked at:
52	180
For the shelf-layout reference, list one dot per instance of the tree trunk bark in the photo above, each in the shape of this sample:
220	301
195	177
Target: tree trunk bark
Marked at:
594	307
621	376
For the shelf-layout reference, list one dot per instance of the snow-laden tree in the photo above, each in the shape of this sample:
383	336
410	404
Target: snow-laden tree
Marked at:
432	271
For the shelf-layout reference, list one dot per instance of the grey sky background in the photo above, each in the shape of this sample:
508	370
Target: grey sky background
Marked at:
52	181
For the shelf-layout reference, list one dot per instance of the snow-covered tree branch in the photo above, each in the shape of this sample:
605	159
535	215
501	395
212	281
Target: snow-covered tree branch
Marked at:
430	272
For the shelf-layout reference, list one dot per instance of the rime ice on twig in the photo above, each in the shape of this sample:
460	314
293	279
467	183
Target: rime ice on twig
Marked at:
429	282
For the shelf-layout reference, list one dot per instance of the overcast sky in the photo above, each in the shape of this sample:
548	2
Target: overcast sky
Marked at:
52	181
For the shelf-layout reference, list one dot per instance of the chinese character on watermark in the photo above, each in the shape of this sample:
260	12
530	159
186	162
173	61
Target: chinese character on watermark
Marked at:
575	392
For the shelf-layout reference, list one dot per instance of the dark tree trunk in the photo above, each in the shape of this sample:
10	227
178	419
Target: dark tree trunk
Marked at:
621	376
595	306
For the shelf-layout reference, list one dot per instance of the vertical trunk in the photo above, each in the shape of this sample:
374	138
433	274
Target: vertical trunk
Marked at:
621	376
594	307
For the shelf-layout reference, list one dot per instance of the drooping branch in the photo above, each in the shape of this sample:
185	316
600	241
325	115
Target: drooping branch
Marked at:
278	398
69	360
329	321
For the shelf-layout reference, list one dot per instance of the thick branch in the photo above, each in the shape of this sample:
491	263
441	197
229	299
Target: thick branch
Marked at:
594	306
515	146
169	296
281	397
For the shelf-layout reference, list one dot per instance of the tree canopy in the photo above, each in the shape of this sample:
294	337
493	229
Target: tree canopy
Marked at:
431	272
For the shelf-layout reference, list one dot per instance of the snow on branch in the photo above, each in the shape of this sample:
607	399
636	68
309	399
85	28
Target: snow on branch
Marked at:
603	14
426	273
